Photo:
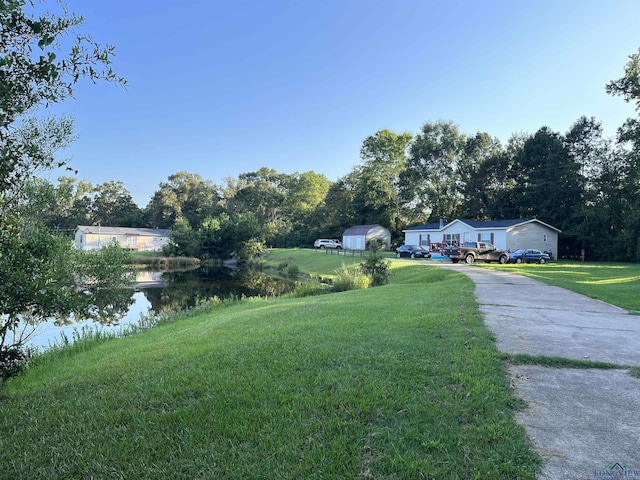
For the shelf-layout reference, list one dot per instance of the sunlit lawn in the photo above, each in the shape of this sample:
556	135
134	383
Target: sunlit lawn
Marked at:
319	262
616	283
389	382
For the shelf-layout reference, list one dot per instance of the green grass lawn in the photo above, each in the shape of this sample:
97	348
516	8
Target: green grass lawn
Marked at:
615	283
393	382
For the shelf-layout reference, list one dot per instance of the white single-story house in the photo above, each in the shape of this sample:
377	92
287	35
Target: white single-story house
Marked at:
95	237
504	234
357	238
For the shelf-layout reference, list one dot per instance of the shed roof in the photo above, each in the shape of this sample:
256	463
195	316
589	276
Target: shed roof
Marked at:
360	229
104	230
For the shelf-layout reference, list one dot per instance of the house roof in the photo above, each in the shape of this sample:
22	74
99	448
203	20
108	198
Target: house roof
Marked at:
360	229
482	224
104	230
426	226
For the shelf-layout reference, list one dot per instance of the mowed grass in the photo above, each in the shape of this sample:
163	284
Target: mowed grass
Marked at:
615	283
324	263
395	382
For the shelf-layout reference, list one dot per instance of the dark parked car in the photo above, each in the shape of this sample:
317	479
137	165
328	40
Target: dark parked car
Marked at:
412	251
528	255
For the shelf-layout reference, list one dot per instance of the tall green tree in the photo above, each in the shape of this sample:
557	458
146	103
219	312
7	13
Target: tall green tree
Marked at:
431	181
479	178
304	193
113	205
39	271
339	210
384	158
263	193
594	225
628	87
549	185
184	240
224	237
184	195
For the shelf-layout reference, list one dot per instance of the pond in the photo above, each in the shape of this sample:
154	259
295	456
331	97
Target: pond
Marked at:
157	292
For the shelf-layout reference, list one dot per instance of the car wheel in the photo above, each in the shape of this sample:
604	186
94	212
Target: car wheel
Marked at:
469	259
502	260
543	261
339	248
322	247
518	260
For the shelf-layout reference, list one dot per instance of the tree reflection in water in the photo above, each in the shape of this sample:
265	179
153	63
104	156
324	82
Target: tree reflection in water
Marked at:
186	289
160	292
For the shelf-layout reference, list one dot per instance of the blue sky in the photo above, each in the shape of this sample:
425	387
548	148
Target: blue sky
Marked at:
222	88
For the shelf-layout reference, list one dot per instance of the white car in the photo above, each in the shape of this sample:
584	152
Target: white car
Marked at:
327	243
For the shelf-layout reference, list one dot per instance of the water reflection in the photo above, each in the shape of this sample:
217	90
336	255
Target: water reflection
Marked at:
157	292
185	289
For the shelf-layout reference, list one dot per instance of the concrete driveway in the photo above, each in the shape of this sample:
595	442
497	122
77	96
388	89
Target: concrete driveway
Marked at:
584	422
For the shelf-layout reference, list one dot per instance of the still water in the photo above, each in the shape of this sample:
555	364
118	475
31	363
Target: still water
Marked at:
157	292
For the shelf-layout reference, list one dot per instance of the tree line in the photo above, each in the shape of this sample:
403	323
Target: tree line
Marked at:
578	181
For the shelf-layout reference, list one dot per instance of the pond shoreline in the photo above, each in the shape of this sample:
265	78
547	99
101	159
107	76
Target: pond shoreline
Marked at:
164	290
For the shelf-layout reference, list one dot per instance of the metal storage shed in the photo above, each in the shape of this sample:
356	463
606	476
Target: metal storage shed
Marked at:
358	237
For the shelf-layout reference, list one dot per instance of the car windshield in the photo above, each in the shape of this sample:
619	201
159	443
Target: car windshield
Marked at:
519	252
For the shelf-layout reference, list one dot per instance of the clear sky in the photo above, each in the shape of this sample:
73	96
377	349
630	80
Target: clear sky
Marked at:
221	88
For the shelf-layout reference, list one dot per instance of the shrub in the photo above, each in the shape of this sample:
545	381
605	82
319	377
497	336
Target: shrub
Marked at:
376	267
350	280
12	360
308	289
293	269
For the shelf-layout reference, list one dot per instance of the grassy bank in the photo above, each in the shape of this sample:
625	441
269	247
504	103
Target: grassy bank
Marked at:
615	283
395	382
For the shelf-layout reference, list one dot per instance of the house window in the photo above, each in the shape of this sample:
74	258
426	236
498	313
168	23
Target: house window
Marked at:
544	237
452	238
485	237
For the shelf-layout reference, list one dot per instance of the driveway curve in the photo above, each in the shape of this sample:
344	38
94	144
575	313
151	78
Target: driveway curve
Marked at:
585	423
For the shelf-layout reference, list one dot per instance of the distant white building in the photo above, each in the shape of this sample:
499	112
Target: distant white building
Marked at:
357	238
504	234
95	237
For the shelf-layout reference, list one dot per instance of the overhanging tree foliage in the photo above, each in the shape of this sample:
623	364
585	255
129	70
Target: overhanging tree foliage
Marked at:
39	272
